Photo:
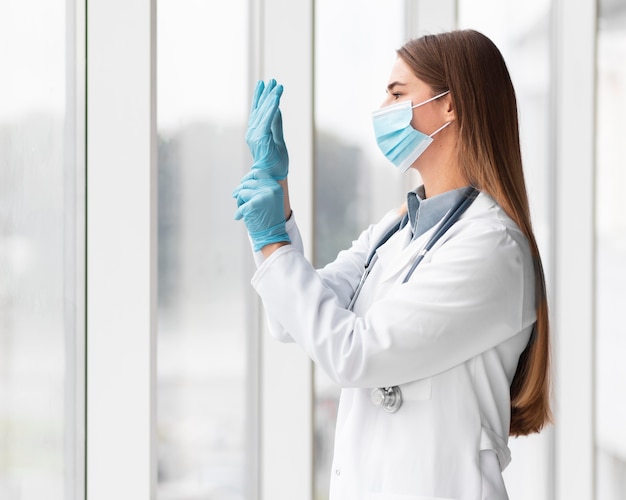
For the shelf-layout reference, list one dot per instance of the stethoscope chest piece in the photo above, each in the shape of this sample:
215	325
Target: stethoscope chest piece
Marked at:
387	398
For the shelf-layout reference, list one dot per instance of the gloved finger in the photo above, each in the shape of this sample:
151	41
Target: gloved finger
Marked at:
277	128
251	182
243	193
255	197
261	92
271	84
250	176
258	90
237	190
265	113
266	184
257	172
262	117
240	212
251	187
271	100
244	196
259	95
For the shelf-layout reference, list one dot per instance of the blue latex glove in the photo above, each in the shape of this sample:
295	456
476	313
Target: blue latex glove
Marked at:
260	205
265	132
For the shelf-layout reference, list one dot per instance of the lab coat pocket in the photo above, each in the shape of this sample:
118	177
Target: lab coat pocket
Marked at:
418	390
391	496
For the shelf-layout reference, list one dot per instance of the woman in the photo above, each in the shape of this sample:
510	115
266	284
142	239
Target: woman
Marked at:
438	362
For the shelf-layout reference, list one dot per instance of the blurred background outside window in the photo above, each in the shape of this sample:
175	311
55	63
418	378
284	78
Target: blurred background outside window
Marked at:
39	260
205	420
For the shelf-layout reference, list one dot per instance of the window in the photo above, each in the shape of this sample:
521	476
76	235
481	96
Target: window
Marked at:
205	422
41	254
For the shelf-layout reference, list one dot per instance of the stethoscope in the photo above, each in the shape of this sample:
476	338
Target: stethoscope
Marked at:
390	398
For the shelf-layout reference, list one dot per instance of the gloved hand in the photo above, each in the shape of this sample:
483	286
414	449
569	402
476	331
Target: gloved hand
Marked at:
265	132
260	205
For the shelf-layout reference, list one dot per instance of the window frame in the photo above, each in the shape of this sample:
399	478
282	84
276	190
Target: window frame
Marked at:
286	390
76	107
121	276
573	309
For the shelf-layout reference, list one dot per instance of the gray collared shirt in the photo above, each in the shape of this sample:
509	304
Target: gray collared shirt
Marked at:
424	212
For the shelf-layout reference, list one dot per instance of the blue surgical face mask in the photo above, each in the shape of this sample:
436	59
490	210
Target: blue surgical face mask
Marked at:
396	138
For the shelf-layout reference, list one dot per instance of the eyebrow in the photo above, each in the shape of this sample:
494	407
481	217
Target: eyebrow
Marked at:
394	84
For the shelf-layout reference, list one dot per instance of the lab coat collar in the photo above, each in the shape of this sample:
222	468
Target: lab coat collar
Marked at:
400	250
424	213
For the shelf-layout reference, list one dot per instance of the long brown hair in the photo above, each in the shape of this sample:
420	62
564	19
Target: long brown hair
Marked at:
468	64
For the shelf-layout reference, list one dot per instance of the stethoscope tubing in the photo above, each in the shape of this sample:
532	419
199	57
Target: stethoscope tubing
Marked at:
390	398
452	217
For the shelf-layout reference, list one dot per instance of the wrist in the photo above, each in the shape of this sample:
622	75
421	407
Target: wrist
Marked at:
269	249
286	203
271	235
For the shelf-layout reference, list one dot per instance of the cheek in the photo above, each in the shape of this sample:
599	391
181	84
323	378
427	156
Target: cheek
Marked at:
418	122
424	122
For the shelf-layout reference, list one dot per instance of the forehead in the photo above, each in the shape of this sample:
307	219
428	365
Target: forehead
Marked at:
401	73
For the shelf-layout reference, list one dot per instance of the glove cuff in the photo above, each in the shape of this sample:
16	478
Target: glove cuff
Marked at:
274	234
262	171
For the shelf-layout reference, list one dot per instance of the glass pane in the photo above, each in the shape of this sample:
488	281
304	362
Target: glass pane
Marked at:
610	253
39	300
354	185
205	447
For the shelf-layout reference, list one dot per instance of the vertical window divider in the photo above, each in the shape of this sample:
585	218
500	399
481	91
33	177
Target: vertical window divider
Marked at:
75	282
286	433
573	332
121	249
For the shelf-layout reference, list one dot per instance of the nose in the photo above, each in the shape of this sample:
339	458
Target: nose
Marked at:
387	101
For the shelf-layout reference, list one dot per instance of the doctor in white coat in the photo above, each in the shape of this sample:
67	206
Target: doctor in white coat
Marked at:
434	322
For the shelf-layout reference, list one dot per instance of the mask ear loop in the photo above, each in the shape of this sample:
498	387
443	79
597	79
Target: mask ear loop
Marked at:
431	99
440	129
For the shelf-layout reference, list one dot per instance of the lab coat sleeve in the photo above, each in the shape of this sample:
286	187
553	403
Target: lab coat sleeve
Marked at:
341	276
275	328
294	235
475	292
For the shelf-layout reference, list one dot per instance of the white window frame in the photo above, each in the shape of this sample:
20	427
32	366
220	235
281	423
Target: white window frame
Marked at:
75	258
286	392
121	249
573	301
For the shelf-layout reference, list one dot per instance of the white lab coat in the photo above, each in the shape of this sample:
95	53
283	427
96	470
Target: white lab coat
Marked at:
450	338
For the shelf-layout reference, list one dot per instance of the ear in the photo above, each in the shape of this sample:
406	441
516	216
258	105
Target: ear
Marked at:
448	107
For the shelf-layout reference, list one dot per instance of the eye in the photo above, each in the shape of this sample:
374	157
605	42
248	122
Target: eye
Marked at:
394	94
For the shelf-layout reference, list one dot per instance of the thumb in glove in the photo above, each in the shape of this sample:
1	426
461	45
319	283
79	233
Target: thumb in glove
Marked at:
260	205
